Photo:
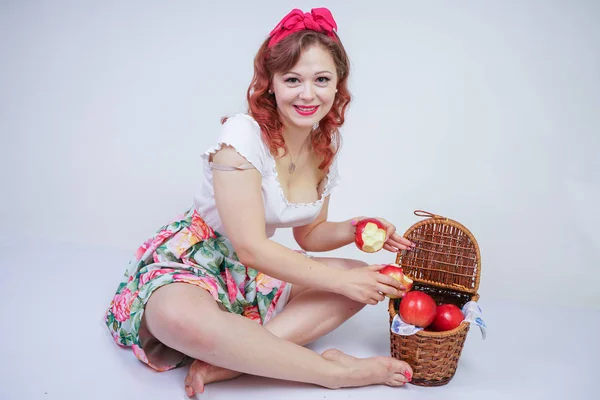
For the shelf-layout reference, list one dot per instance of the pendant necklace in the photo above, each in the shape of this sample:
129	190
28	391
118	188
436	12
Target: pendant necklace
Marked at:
292	166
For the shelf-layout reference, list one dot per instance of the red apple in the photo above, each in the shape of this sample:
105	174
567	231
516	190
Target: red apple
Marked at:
370	235
448	317
418	309
396	272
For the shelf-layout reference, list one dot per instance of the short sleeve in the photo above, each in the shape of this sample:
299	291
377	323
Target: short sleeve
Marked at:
333	177
243	134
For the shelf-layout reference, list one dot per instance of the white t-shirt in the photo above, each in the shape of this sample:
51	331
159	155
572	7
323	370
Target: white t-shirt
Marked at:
243	133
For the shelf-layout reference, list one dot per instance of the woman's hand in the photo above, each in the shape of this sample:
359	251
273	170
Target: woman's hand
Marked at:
366	285
393	241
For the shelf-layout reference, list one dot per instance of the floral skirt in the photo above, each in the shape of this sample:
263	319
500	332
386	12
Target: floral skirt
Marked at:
187	250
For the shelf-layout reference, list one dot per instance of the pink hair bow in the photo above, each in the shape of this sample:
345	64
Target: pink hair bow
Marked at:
319	20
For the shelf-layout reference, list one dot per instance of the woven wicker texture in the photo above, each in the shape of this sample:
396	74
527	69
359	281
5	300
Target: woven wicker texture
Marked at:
446	265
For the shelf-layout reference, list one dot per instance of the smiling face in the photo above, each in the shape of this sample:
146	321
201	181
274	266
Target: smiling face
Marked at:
306	92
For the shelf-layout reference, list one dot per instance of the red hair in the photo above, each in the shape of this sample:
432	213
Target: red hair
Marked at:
281	58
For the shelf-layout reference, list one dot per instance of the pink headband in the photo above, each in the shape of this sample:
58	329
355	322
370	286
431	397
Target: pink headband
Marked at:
319	20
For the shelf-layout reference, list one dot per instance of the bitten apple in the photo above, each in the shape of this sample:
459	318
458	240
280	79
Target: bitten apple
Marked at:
448	317
396	272
370	235
417	308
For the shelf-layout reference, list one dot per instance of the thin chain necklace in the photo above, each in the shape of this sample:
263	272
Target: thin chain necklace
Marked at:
292	165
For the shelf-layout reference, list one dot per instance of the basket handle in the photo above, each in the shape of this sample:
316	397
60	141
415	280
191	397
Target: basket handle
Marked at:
422	213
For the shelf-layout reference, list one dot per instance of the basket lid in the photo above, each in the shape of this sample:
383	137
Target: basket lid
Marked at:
446	254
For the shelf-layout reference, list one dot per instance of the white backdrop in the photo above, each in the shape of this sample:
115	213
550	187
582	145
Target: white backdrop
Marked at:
487	112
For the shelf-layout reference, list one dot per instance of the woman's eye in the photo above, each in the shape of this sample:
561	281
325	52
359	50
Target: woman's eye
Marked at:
292	80
323	79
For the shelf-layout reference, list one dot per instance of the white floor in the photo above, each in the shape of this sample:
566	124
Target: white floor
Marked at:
53	344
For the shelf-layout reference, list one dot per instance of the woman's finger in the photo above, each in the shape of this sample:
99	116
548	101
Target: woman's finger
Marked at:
378	297
389	281
390	229
397	245
394	247
402	240
386	289
405	241
389	248
376	267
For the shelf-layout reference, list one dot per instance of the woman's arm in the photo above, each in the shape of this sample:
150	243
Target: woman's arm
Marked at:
240	204
323	235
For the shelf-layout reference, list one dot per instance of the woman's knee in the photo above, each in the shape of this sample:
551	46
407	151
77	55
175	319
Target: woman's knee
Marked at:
181	315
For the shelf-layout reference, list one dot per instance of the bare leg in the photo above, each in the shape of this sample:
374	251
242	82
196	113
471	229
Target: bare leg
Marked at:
186	318
309	315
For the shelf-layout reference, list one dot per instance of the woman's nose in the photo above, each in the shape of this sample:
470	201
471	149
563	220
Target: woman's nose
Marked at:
307	92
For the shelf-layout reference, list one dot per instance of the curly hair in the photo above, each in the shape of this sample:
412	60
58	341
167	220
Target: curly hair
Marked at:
263	108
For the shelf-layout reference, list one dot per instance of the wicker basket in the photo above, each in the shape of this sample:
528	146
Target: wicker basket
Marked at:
446	264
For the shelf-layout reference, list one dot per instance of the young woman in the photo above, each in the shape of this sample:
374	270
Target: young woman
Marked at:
211	287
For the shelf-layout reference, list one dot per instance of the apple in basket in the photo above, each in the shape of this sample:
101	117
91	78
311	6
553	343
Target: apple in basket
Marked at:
448	317
417	308
370	235
395	271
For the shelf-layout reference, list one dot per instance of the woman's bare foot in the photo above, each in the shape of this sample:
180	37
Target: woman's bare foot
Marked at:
370	371
363	371
201	373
